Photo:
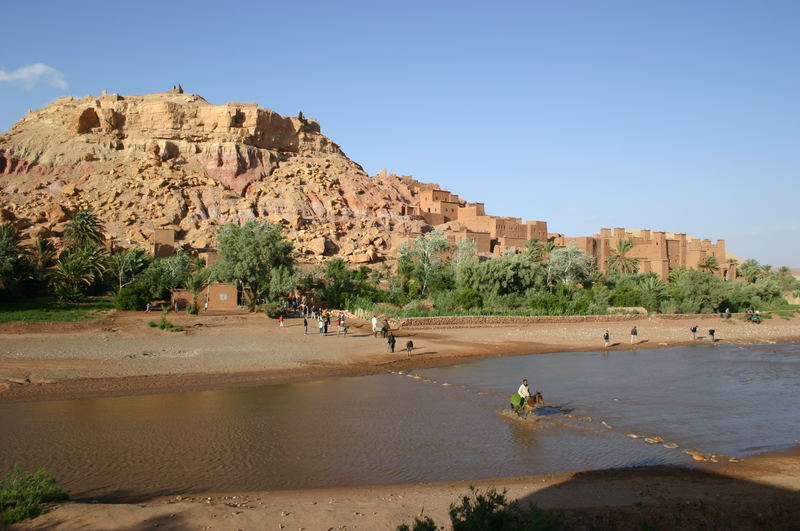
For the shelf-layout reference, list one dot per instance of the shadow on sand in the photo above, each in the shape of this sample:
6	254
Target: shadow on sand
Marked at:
665	497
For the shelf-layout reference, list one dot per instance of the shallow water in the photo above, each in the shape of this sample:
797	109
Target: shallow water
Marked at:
392	428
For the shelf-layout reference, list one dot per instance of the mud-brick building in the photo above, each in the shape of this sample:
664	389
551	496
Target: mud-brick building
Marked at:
438	206
657	252
164	242
216	296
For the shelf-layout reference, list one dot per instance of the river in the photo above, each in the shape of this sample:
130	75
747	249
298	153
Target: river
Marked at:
393	428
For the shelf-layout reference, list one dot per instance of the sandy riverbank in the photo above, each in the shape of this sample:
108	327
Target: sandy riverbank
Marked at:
758	492
121	355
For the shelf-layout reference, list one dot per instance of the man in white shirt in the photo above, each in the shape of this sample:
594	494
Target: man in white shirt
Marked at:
524	393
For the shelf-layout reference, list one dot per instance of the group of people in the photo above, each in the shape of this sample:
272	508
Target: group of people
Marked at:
323	322
635	335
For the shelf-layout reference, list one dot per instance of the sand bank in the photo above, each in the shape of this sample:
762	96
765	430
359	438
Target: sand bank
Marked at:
758	492
121	355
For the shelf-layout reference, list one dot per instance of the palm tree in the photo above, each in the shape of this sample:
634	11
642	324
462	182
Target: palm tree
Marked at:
653	290
11	254
76	270
84	229
766	268
750	270
42	258
195	283
619	262
709	264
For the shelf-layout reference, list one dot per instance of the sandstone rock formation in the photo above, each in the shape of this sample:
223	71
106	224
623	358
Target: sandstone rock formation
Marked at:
172	160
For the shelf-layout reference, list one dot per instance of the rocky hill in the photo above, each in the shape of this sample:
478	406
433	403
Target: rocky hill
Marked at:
173	160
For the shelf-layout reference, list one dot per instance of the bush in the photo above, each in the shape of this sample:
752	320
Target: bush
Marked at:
273	309
132	297
22	493
491	511
469	298
166	325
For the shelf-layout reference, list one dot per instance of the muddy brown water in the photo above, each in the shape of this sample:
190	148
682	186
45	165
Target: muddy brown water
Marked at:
393	428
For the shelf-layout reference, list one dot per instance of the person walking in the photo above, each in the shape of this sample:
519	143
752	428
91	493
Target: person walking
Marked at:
391	340
634	336
409	347
375	328
305	325
606	338
711	335
693	330
321	325
280	320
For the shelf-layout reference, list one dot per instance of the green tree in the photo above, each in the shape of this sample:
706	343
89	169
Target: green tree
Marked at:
41	258
249	255
77	270
569	265
653	291
84	230
693	291
166	274
750	270
125	267
195	283
710	264
619	262
12	257
423	260
465	255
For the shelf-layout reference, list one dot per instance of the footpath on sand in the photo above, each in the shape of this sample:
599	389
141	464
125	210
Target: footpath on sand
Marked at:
121	355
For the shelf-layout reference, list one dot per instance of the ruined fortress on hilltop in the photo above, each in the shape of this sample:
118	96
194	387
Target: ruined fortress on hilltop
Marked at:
163	171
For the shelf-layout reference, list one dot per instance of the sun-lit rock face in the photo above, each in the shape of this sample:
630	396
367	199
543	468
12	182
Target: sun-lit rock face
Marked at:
174	160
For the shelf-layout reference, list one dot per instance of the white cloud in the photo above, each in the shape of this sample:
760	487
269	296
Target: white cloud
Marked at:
28	76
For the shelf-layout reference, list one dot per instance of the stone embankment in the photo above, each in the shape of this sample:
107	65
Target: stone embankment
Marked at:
473	321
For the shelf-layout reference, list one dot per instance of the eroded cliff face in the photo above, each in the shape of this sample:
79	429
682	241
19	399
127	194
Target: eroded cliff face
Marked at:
174	160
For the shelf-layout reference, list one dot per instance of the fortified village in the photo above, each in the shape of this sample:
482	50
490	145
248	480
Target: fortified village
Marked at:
165	170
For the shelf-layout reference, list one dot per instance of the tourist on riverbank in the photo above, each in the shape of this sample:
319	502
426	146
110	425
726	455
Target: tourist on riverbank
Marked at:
321	326
305	325
409	347
711	335
606	338
391	341
634	336
693	330
280	320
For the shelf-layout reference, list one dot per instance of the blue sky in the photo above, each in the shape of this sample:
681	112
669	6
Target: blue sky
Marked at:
680	116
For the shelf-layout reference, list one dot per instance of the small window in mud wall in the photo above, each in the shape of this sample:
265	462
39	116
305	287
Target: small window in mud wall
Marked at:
223	296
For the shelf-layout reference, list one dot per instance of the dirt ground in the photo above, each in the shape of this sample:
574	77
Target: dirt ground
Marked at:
121	355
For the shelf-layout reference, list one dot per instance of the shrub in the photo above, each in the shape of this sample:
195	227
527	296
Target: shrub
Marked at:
132	297
469	298
151	324
273	309
166	325
491	511
425	523
22	493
